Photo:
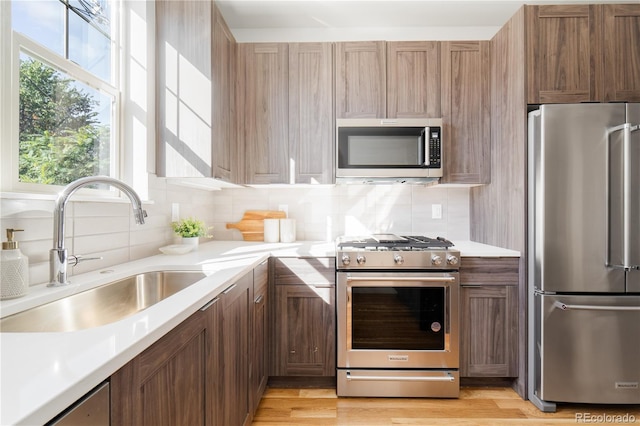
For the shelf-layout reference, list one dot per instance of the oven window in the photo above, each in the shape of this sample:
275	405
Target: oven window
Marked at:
402	318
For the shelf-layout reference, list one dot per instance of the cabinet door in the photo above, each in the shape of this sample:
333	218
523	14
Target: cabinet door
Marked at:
466	112
413	79
563	53
311	119
224	65
489	331
183	89
260	332
304	330
236	302
173	382
266	116
360	79
489	317
622	52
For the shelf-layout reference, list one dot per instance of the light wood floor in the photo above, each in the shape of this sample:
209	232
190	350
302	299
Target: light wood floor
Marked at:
476	406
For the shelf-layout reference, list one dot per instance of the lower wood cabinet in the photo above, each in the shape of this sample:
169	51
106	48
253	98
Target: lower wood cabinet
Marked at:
236	302
489	317
303	342
199	372
259	335
176	380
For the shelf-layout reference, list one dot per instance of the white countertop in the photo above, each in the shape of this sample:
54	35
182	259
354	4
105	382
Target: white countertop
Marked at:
43	373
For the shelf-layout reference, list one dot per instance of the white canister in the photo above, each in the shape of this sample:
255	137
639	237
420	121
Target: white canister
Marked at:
287	230
271	230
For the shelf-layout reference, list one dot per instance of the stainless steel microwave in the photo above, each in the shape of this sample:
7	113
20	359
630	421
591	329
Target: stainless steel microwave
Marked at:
394	150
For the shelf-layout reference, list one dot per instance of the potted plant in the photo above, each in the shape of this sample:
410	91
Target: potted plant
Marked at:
190	229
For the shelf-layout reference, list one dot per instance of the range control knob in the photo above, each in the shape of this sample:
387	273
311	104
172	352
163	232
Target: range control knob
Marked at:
399	260
452	260
436	260
346	259
361	259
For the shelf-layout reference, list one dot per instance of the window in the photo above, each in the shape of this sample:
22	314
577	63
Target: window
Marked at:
63	71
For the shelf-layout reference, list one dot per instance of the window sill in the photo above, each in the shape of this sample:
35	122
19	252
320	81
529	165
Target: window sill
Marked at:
76	197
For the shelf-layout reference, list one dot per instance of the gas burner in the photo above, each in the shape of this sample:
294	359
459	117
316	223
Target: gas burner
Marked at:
393	252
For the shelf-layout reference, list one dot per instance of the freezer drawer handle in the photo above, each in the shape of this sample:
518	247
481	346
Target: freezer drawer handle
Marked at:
566	307
446	378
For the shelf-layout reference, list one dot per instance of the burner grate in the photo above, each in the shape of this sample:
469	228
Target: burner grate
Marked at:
392	242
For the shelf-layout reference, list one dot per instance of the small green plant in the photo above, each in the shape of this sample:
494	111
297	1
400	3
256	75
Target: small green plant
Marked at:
190	227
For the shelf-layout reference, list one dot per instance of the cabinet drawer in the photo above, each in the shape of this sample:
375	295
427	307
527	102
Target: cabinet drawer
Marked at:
303	270
489	270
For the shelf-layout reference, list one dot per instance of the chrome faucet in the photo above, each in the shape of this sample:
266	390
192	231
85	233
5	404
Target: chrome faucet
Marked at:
58	257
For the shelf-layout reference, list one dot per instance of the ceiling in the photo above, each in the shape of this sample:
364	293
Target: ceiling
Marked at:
334	20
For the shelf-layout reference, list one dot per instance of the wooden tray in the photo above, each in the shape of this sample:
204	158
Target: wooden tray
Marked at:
252	223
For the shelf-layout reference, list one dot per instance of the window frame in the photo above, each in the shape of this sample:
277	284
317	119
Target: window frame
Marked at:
18	43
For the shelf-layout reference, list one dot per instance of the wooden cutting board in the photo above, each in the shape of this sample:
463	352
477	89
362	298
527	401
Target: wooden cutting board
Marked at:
252	223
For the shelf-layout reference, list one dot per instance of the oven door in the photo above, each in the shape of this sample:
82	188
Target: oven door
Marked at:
402	320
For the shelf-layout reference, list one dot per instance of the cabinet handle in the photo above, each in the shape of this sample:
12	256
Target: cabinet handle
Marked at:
292	352
210	304
259	299
228	289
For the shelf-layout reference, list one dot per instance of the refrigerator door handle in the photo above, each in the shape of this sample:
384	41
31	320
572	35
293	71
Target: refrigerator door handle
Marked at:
565	307
626	129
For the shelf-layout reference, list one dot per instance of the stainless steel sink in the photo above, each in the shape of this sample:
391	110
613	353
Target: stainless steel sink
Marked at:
102	305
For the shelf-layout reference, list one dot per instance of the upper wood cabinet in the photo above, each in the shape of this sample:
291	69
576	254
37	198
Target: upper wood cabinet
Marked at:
621	52
286	92
466	112
265	117
225	155
183	74
413	79
311	118
361	79
563	49
195	75
583	53
375	79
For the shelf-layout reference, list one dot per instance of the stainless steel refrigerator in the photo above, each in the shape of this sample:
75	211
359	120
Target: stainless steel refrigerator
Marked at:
584	254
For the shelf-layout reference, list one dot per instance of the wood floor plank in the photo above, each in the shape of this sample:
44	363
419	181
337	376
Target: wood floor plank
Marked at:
476	406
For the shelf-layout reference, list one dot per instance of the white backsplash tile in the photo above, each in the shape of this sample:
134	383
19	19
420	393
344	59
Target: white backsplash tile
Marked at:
322	213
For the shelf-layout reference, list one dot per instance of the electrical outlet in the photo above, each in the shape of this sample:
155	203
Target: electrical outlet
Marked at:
436	211
175	212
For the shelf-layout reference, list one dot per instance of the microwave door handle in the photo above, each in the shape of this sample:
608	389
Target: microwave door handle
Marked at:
424	146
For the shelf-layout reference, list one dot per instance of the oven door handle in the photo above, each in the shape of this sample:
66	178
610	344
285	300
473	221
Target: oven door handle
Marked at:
413	279
447	377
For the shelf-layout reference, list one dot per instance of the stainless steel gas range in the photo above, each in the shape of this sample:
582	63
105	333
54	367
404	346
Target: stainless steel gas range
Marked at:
397	316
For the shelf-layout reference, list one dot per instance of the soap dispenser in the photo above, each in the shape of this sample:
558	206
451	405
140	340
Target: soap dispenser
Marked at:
14	269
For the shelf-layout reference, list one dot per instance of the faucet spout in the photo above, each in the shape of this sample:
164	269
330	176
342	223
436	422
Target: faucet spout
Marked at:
58	257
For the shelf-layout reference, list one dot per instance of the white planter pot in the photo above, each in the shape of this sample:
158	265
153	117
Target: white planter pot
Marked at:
192	241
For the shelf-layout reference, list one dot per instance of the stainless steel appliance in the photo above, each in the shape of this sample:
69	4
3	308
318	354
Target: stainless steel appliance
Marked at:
389	150
397	316
584	254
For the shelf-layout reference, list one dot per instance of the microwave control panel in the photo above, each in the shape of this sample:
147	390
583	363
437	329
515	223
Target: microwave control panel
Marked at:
434	153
